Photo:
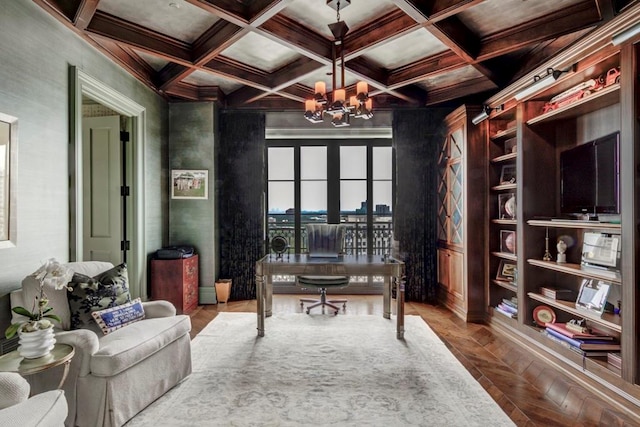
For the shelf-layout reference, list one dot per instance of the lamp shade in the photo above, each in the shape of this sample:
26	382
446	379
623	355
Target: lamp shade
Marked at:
310	105
321	88
362	89
339	95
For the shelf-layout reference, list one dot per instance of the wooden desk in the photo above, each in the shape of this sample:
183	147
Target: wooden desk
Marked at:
348	265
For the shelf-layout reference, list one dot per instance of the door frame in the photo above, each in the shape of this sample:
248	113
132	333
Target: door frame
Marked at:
81	84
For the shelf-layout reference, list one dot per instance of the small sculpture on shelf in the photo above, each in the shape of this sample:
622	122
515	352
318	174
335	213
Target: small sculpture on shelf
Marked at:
562	248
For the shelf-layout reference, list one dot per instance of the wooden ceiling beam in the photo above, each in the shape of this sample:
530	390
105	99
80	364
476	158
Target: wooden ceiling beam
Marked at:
298	38
139	37
574	18
433	11
127	59
238	72
230	10
381	31
424	68
466	88
85	12
293	73
217	38
170	74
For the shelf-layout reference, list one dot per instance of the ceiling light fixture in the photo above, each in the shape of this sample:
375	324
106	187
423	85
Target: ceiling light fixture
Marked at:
540	82
484	115
358	105
625	35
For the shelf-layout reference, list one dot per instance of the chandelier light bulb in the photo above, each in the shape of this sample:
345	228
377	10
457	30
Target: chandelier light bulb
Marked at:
362	90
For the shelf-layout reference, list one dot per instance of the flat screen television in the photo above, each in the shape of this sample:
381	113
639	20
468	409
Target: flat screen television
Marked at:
590	177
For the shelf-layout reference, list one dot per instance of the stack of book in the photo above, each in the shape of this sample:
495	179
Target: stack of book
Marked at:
588	344
508	307
557	293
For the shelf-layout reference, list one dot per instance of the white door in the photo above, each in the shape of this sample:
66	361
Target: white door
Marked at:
102	202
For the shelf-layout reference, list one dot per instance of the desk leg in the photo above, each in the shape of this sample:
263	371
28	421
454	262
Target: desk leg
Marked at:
400	310
386	297
269	296
260	295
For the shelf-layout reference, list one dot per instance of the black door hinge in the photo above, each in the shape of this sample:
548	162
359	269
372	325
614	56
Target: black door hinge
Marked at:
125	245
124	136
124	190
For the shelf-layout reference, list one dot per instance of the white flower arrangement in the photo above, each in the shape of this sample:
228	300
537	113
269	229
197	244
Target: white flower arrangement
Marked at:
51	273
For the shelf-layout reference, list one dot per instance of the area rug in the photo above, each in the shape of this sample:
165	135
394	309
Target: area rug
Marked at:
321	370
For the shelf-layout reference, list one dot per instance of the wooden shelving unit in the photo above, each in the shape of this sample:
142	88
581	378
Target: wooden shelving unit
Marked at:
540	139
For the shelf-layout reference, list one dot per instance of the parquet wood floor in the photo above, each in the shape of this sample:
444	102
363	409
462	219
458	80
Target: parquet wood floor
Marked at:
530	390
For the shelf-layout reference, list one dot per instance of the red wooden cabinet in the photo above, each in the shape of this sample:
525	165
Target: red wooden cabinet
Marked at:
176	281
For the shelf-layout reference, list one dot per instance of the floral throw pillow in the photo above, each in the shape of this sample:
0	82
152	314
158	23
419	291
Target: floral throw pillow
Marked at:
89	294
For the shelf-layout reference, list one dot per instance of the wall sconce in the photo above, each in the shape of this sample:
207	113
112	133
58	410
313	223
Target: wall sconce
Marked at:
625	35
484	115
541	82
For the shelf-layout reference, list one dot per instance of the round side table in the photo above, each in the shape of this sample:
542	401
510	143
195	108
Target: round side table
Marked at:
60	355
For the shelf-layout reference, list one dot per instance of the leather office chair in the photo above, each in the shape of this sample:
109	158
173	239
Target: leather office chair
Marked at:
324	241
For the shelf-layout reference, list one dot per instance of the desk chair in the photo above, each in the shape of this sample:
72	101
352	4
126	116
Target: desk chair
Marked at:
325	241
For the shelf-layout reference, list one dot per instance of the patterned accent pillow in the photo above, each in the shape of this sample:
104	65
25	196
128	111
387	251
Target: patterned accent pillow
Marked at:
89	294
114	318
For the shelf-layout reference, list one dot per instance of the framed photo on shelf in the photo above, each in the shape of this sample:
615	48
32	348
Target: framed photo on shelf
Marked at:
592	297
507	271
601	250
510	146
189	184
507	206
508	174
508	241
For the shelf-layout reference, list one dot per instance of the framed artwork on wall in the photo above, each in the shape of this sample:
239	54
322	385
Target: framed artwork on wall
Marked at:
189	184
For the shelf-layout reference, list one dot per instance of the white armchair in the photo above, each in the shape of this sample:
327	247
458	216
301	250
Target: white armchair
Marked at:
47	409
113	377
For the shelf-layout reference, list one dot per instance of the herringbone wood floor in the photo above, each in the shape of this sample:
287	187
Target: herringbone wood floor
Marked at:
530	391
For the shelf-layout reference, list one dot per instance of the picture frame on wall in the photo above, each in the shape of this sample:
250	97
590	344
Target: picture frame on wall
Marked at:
508	241
189	184
508	174
8	180
507	271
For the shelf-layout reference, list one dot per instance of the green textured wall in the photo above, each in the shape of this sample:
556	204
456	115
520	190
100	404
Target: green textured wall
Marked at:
192	130
35	55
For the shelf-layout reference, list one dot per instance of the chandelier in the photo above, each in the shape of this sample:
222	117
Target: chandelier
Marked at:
340	111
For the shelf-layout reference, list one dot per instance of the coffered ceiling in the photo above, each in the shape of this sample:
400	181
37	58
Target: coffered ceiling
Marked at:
269	53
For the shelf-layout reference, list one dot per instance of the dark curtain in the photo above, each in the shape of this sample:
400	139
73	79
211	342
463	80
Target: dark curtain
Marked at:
239	182
417	134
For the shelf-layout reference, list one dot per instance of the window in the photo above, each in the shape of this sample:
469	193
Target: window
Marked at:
341	181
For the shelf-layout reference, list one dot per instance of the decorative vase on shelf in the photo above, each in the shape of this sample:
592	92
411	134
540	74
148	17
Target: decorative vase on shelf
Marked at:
36	343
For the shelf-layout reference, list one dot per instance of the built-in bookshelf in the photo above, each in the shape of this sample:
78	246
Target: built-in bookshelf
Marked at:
526	139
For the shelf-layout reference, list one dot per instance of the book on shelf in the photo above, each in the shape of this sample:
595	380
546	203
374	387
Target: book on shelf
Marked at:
577	350
597	345
513	302
506	307
506	313
594	335
558	293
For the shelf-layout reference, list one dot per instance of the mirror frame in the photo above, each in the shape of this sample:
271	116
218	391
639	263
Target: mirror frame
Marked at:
11	175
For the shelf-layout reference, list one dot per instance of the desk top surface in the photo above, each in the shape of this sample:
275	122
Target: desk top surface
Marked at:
343	259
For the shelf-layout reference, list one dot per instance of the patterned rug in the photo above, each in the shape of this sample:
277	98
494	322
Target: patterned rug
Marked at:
322	370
